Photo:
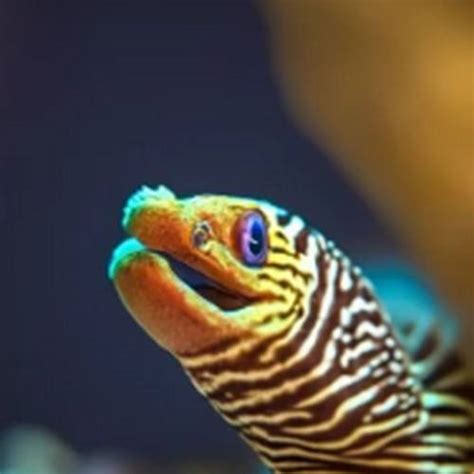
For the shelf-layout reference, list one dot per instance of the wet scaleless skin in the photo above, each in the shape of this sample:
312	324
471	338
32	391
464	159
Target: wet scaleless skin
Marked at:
288	342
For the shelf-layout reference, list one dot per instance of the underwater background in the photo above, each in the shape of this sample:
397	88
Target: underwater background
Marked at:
97	99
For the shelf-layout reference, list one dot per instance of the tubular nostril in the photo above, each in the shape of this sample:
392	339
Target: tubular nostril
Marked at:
201	234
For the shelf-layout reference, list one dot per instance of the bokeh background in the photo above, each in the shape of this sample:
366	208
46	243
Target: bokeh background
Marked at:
95	100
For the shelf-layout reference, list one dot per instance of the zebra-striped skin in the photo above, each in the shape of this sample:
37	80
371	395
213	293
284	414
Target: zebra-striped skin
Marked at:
297	353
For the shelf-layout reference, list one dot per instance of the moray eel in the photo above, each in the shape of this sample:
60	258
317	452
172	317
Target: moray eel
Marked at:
288	341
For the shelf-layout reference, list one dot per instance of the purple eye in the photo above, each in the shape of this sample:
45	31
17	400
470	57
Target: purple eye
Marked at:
252	238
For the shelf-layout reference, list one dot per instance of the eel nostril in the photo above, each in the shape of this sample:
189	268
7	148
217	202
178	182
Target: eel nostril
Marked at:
201	234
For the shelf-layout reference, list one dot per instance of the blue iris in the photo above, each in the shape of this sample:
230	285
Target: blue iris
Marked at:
253	239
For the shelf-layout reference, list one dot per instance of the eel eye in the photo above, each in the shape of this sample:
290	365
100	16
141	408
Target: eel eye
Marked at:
252	238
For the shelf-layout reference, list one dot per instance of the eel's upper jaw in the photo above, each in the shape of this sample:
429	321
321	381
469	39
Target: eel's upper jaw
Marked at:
180	318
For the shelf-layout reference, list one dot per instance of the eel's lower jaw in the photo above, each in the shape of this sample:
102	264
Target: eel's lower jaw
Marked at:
181	319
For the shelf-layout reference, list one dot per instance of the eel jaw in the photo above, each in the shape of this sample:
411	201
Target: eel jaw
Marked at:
183	320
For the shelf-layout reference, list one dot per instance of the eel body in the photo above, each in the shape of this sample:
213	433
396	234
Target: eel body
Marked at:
288	341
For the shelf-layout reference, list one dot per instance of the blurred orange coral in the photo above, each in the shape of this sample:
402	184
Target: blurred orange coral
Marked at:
388	88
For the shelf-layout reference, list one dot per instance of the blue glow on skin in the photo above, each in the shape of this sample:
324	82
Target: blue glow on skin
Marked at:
126	248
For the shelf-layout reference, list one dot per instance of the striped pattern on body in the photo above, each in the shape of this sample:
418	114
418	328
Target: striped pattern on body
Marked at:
333	389
299	356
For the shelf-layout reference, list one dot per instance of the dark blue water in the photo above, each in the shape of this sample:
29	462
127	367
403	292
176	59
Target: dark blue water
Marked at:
96	100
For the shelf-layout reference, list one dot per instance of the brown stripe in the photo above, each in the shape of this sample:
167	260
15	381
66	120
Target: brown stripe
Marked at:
286	266
301	241
283	219
281	236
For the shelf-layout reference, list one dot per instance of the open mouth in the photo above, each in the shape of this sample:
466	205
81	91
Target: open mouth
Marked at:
205	287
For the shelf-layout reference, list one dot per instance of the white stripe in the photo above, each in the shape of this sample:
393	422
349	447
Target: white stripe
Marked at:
363	347
357	305
294	227
367	328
